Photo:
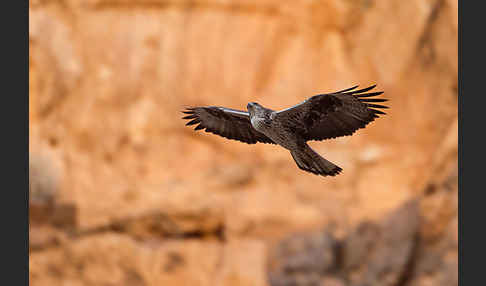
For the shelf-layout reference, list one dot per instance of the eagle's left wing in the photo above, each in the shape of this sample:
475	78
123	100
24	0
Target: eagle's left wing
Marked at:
226	122
332	115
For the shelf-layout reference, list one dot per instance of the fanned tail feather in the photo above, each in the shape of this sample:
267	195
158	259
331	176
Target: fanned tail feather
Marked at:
308	160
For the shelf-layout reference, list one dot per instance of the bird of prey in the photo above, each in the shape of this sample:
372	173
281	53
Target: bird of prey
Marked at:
320	117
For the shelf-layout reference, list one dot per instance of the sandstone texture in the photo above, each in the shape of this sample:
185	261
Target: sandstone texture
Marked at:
122	193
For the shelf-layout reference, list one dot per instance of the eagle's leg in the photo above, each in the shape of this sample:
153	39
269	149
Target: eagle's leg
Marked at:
308	160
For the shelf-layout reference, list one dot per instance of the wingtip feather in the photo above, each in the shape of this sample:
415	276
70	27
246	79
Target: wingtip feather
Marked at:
364	89
377	106
192	122
377	111
347	89
373	99
370	94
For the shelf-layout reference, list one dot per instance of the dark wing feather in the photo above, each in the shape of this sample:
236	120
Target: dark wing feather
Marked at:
332	115
226	122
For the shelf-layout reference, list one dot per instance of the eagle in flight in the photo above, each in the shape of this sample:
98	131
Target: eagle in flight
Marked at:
320	117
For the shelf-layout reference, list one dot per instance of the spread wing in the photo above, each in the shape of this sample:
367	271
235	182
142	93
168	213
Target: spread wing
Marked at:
332	115
226	122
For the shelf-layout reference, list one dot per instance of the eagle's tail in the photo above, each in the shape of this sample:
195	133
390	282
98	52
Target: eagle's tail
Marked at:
308	160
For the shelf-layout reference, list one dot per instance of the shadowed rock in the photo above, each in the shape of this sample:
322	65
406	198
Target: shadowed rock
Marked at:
372	254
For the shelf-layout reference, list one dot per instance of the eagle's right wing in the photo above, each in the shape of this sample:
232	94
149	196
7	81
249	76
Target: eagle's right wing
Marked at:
226	122
332	115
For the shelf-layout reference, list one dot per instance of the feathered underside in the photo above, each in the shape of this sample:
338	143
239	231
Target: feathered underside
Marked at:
332	115
226	122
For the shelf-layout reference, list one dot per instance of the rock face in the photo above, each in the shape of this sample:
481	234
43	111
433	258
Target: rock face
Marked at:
395	251
122	193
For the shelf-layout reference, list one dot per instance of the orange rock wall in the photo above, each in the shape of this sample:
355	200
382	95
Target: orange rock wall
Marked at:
108	80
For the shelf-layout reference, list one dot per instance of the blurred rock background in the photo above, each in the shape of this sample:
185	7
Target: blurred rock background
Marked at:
122	193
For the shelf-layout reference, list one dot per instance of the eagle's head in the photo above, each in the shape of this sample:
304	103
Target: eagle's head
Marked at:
252	105
256	110
253	108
